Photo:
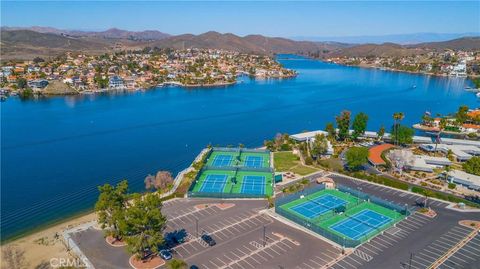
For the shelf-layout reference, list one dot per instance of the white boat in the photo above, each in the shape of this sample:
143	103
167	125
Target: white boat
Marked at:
478	94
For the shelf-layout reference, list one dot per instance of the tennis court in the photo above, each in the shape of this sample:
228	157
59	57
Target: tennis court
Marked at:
361	224
254	161
222	160
214	183
312	208
253	185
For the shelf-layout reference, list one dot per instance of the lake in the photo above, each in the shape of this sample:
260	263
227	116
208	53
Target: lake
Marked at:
56	151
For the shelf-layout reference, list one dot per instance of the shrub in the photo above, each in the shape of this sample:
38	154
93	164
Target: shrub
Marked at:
308	160
452	186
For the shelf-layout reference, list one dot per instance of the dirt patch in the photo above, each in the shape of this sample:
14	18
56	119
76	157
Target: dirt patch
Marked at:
428	213
112	241
223	206
472	224
151	263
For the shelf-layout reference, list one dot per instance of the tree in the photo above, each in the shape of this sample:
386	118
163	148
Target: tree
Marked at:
177	264
356	157
161	181
403	134
461	115
359	125
397	118
472	166
14	257
38	60
381	132
21	83
330	129
319	145
144	224
343	123
111	206
441	126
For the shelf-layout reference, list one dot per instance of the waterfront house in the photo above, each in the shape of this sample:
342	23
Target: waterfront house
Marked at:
37	84
115	82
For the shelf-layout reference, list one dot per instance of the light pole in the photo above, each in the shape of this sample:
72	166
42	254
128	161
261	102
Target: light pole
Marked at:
196	226
264	236
410	262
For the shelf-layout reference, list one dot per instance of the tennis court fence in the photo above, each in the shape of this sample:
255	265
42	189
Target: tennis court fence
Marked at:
315	227
223	195
375	200
240	150
342	241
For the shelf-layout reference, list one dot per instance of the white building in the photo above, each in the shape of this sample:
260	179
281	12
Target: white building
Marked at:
465	179
462	152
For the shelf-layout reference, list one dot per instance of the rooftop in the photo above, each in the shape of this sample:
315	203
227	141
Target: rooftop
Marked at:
375	153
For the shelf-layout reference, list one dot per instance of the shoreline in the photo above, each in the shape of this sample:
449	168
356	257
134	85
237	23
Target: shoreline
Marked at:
390	69
41	244
45	226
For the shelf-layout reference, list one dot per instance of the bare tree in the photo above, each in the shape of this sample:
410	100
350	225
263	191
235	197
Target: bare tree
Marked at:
160	181
149	181
14	257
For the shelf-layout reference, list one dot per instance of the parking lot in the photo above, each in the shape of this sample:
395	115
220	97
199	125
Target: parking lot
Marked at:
467	257
245	238
427	238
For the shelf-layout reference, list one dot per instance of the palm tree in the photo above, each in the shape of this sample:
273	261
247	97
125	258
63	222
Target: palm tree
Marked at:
397	117
441	126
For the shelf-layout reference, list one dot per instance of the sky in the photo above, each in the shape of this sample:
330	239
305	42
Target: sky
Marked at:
271	18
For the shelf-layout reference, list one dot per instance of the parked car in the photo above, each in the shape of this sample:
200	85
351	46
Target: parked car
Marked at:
194	267
165	254
175	238
209	240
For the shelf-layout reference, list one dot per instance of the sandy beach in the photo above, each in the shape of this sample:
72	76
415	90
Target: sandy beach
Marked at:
40	247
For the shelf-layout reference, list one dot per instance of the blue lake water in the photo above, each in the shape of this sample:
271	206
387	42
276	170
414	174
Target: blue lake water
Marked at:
56	151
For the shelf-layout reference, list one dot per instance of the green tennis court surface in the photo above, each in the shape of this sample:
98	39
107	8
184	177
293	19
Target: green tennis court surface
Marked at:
234	173
342	214
238	158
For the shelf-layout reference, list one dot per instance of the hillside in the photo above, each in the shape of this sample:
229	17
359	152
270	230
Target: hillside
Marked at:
26	44
250	43
20	43
464	43
395	50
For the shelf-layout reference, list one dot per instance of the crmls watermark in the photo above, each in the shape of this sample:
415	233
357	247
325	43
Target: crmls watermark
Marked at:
68	262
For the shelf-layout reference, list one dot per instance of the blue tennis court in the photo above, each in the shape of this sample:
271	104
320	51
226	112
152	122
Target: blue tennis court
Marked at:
315	207
222	160
214	183
253	185
361	224
254	161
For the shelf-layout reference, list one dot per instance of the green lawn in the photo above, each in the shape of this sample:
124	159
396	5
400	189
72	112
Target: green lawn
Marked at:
287	161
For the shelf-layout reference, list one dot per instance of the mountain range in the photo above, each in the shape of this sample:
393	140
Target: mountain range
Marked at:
27	43
402	39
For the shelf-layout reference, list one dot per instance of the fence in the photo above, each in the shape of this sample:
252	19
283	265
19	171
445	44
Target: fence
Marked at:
373	199
314	226
239	150
343	241
238	168
223	195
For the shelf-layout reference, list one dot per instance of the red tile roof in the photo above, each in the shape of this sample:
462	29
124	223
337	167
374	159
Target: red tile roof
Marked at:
375	153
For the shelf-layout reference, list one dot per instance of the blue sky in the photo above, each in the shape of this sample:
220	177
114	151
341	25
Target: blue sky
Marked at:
325	18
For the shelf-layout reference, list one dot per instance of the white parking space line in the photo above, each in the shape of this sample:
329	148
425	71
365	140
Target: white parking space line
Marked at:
441	246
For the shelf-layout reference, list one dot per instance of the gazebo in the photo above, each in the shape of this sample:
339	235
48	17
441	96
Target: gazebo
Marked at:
329	183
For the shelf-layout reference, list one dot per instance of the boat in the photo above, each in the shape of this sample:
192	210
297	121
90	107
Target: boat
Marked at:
414	86
478	94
